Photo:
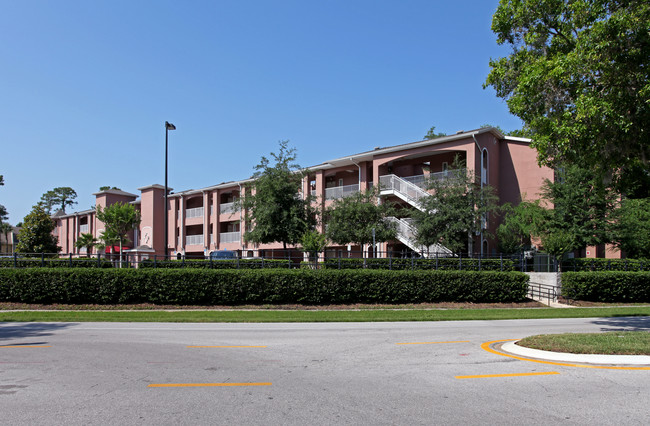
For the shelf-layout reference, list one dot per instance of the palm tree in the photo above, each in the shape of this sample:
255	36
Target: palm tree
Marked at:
86	240
5	228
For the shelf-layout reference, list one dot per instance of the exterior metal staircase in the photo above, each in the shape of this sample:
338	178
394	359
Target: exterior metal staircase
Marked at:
401	188
406	235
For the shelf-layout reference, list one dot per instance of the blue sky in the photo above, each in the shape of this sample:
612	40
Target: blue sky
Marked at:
86	86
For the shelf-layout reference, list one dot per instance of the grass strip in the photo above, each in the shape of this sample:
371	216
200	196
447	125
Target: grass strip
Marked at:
320	316
611	343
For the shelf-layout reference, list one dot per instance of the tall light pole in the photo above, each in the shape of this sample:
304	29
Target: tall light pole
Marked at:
168	126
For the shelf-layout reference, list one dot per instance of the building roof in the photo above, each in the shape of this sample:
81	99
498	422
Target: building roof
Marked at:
115	192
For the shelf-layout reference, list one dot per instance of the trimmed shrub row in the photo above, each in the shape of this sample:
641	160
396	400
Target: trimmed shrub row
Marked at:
275	286
607	286
583	264
37	262
442	263
217	264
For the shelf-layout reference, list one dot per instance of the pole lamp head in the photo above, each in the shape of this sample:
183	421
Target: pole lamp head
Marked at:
169	126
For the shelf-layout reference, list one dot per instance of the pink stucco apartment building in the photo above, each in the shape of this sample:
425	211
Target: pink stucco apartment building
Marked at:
205	219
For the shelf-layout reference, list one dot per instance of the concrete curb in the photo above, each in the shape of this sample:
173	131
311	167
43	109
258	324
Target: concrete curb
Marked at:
514	349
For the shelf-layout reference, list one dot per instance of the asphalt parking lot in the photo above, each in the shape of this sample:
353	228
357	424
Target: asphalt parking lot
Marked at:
343	373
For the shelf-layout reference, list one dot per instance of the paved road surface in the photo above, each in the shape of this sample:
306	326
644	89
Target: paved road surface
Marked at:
340	373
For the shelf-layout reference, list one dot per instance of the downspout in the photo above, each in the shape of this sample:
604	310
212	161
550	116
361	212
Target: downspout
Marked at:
359	167
480	152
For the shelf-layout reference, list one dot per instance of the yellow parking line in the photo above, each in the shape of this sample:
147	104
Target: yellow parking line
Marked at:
432	343
196	385
25	346
483	376
242	346
486	347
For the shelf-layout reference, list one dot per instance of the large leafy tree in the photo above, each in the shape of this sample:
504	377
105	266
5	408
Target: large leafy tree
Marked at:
273	206
60	197
119	219
519	223
35	236
457	209
582	204
631	228
579	78
352	219
577	212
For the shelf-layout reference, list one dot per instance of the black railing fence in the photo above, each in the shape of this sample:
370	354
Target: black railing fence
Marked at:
290	259
341	259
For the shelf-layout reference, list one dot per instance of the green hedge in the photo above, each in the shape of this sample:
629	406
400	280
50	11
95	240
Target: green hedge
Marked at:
217	264
607	286
37	262
583	264
442	263
276	286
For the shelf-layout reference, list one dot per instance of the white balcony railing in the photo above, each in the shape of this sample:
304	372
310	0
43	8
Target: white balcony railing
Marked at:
225	208
194	240
195	212
83	229
341	191
229	237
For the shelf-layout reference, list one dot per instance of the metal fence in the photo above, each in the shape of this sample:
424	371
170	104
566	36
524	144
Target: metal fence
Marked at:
277	258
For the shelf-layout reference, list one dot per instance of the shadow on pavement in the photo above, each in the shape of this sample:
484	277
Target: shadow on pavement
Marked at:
624	323
34	330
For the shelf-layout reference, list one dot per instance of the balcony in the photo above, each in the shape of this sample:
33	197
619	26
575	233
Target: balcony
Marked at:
194	240
195	212
423	180
341	191
226	208
83	229
229	237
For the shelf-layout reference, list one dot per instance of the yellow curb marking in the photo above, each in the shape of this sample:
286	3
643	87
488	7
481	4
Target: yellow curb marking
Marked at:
25	346
486	347
196	385
226	346
483	376
433	343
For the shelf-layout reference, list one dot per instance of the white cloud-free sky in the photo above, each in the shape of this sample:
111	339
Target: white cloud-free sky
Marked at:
86	86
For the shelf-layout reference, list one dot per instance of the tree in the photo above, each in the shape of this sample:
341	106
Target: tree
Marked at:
86	240
6	229
62	196
35	236
431	134
273	207
579	213
313	242
631	228
107	238
582	204
519	224
4	215
579	78
456	210
351	219
119	219
106	188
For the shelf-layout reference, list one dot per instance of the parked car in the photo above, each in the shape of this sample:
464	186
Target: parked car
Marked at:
223	255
